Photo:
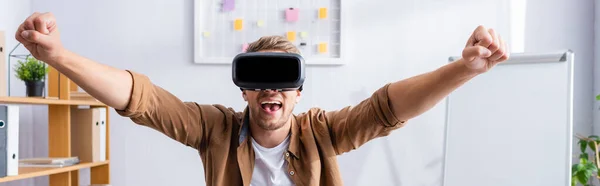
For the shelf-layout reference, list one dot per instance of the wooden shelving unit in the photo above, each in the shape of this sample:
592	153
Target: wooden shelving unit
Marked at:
59	134
30	172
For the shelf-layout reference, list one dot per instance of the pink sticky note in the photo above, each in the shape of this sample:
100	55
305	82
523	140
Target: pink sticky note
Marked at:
291	14
244	47
228	5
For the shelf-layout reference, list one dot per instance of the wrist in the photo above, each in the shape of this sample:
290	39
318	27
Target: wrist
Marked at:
60	57
463	68
459	69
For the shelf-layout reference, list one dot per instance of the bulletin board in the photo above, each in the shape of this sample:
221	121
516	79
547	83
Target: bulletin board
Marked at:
223	28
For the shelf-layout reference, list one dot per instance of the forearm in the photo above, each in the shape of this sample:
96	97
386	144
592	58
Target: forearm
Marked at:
414	96
109	85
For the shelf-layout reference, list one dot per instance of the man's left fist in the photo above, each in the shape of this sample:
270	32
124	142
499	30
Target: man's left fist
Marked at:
484	50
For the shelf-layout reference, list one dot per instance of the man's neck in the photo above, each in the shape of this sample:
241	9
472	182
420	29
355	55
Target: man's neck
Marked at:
270	138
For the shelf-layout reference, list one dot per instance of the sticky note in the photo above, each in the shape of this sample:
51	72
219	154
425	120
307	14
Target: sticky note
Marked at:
228	5
206	34
245	47
322	47
260	23
322	13
237	24
291	36
291	14
303	34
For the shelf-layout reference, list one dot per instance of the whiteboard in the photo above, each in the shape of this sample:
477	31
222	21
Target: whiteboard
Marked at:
513	124
224	28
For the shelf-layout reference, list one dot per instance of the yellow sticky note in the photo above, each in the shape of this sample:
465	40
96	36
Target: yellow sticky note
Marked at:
260	23
237	24
291	36
206	34
303	34
322	13
322	47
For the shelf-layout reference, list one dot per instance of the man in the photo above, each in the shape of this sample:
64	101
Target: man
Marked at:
265	144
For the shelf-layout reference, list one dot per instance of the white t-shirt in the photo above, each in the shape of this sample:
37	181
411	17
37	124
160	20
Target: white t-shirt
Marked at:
270	167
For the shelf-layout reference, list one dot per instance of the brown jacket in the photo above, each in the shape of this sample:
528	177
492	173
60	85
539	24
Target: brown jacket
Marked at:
220	134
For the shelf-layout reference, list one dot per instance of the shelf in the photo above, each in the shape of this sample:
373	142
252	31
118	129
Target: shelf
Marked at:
31	172
81	96
46	101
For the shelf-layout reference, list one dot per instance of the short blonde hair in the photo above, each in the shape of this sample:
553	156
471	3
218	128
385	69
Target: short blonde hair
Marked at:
273	43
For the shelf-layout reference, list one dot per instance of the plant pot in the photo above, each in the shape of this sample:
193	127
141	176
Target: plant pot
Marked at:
35	88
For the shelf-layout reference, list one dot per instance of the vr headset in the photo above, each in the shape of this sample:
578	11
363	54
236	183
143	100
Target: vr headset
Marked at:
268	71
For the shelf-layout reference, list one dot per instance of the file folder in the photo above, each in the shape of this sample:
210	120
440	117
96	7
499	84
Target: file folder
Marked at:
13	140
102	119
3	140
9	140
85	134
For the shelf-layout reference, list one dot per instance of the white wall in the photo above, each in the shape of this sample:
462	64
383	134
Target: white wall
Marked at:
596	81
394	39
563	24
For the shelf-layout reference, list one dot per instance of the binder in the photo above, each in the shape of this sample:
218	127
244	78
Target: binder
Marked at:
85	135
3	140
102	130
13	140
9	140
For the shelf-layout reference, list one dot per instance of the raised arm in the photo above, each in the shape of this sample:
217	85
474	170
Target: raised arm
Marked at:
133	95
391	106
40	35
414	96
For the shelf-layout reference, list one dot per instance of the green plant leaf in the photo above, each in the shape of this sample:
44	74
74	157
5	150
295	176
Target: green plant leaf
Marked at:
582	145
598	97
584	156
578	167
31	69
583	161
574	169
591	167
584	176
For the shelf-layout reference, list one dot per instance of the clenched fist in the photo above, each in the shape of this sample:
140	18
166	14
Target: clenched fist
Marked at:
39	34
484	50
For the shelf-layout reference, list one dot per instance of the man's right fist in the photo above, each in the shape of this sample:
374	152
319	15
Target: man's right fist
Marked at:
39	34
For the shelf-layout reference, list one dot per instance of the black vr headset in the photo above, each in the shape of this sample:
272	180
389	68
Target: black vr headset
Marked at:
268	71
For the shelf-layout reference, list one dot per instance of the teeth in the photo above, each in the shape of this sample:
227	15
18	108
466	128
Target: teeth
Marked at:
271	102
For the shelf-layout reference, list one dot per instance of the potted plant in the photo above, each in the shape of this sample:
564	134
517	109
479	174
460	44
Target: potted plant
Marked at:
586	171
33	73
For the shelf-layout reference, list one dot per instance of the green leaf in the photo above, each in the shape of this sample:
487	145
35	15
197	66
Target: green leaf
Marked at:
582	145
31	69
583	162
594	137
592	147
584	156
598	97
584	176
577	168
591	167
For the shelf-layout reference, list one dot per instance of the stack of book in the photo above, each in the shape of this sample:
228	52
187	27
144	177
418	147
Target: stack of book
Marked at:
48	162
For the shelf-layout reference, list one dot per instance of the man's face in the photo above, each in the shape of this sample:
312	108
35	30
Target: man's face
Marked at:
269	109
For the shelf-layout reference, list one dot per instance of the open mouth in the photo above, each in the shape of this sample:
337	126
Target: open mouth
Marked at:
270	106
